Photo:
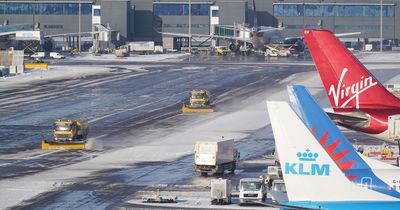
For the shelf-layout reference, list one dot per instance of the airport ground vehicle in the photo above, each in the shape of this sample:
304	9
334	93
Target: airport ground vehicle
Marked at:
38	55
359	101
141	47
215	157
67	134
278	190
222	50
123	51
252	190
56	55
273	173
198	101
221	191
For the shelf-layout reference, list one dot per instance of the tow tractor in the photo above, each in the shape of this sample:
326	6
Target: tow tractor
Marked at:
199	101
67	134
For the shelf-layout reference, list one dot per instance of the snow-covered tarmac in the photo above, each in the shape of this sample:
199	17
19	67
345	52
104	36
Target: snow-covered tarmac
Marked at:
236	121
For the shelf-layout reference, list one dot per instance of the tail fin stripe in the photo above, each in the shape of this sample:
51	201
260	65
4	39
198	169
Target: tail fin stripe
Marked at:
351	177
331	148
340	155
323	138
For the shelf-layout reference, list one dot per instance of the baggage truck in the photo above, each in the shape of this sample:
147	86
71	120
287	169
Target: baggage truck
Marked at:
215	157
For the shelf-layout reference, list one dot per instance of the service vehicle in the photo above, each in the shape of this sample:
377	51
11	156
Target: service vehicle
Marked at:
123	51
142	47
273	173
56	55
215	157
221	191
198	101
38	55
252	190
67	134
222	50
278	191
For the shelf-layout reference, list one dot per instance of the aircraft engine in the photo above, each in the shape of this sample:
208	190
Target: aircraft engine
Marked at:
234	47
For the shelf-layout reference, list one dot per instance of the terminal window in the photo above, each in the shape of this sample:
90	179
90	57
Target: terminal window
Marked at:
44	8
337	10
181	9
215	13
96	12
53	26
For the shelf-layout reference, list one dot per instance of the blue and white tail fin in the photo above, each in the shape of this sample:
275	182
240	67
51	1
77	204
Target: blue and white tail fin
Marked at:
317	165
309	172
335	143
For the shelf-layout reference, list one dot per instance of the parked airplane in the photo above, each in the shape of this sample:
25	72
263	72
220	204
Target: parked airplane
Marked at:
359	101
320	167
261	37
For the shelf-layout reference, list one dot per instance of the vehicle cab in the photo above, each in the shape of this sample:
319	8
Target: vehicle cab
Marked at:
199	97
278	191
64	130
252	190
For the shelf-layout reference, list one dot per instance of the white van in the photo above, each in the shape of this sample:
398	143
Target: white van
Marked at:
56	55
38	55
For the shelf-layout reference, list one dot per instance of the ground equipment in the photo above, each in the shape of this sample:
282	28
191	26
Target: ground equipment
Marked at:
252	190
220	191
199	101
67	134
215	157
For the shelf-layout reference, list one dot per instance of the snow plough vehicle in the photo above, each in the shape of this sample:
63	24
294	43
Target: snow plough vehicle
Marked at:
67	134
198	101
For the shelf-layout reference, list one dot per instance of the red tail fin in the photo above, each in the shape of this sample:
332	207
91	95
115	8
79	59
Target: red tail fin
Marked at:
347	82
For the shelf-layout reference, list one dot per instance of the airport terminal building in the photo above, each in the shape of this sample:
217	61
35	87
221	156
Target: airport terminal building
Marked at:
142	20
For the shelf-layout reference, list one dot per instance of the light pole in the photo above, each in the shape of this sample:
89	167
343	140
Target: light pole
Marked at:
79	34
190	27
381	47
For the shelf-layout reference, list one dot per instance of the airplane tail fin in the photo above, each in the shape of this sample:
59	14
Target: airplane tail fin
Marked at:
318	163
255	22
347	82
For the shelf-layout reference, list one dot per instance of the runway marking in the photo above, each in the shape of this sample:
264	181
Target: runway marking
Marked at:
137	107
41	155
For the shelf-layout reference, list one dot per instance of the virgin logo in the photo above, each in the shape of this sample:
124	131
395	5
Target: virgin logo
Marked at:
342	91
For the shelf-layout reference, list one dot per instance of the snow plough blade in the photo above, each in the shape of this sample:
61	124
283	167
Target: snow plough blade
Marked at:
80	145
188	109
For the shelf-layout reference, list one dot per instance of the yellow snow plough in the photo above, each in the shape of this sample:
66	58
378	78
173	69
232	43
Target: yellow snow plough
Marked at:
199	101
67	134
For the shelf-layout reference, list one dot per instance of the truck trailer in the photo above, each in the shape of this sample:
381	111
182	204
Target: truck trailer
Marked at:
215	157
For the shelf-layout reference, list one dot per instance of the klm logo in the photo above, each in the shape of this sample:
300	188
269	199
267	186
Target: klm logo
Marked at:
307	166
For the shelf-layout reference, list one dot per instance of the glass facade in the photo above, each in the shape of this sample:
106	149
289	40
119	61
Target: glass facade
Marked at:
332	10
222	31
215	13
45	8
96	12
181	9
167	25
